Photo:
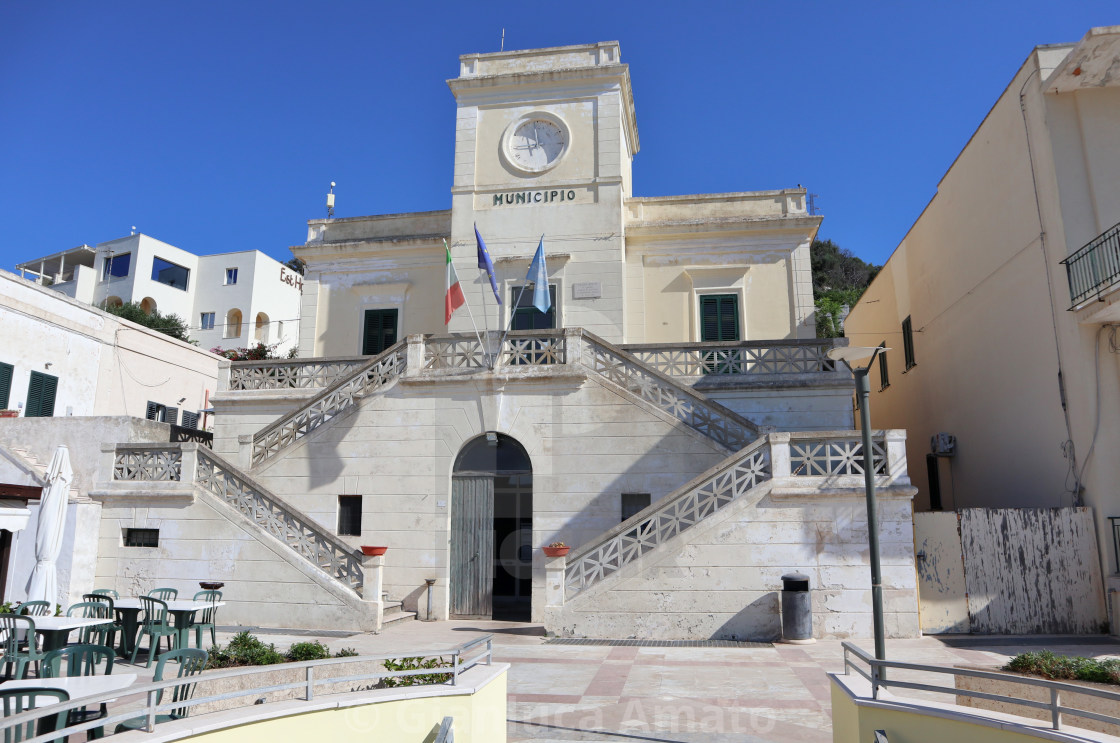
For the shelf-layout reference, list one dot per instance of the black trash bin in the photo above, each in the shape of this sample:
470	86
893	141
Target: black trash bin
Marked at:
797	608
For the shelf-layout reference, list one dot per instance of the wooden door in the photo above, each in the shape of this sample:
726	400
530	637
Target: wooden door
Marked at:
472	546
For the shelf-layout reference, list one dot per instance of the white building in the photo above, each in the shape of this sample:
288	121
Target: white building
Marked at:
76	375
229	299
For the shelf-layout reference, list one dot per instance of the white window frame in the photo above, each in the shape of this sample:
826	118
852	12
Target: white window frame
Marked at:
232	270
202	320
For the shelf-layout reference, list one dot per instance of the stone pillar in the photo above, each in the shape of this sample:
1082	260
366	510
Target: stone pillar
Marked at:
188	467
896	455
779	454
414	357
223	375
573	348
554	580
372	585
106	463
245	451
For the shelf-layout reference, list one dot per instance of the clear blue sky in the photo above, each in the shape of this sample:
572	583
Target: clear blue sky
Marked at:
217	126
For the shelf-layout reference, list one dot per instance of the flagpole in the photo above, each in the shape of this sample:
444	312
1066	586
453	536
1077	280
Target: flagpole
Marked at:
513	309
466	304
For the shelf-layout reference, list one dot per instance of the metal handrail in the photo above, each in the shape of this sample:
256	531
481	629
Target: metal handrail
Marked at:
876	677
1094	267
152	689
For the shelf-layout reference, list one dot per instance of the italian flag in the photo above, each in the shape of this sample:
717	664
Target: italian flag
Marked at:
454	298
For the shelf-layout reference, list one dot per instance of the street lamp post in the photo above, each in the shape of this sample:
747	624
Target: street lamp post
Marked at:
848	354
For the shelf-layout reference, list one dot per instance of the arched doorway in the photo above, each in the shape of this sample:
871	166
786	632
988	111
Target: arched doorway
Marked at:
492	530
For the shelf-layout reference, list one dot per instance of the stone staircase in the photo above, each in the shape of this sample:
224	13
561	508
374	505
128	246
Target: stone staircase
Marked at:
29	462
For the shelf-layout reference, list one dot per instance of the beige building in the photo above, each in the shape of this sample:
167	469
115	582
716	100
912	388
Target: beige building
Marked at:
1000	305
671	417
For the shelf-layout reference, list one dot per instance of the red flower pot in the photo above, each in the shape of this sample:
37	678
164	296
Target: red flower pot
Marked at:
556	551
373	551
9	413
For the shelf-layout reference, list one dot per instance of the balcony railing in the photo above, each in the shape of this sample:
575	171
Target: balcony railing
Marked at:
748	359
1094	268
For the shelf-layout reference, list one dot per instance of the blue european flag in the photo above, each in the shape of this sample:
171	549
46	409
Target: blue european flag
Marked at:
538	274
485	263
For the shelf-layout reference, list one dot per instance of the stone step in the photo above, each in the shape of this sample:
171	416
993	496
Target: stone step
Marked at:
397	615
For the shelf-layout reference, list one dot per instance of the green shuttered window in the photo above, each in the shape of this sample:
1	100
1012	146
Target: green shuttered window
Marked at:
719	317
40	395
379	331
5	384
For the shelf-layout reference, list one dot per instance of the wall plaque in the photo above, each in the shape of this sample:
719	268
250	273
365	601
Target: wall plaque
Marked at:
587	290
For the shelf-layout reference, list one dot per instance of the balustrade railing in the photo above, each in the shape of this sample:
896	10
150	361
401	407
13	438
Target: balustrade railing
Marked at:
524	348
163	464
671	516
815	455
1094	268
748	358
378	372
455	353
315	544
291	373
698	412
181	435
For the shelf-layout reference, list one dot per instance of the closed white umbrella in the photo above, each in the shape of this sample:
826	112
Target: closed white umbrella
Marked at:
48	531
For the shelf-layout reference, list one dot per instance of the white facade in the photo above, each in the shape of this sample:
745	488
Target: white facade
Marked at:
231	300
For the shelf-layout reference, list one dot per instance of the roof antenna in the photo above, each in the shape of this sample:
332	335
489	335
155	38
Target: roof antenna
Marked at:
330	202
503	40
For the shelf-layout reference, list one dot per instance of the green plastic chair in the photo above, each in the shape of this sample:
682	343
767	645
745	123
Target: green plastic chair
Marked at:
23	700
106	592
191	662
35	608
81	660
96	634
206	618
164	594
155	622
110	630
21	652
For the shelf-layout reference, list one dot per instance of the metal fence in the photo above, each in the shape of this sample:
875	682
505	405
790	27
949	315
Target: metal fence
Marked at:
1095	267
874	673
157	695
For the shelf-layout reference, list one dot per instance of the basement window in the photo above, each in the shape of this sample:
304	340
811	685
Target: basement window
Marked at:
633	503
350	515
141	537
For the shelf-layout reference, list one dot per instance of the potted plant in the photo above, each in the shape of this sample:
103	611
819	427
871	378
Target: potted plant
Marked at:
373	551
9	413
556	549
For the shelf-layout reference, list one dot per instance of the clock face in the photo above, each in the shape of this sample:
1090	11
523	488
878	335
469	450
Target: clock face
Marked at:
535	145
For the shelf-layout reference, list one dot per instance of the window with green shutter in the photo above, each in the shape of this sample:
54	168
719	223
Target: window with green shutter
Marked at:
379	331
5	384
40	395
719	317
528	317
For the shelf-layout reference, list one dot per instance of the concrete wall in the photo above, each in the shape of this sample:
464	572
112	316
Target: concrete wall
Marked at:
104	365
722	578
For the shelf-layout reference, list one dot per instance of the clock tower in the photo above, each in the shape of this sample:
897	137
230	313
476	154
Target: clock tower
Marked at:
544	140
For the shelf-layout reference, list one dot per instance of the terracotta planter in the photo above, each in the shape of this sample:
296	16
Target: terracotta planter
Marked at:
373	551
556	551
9	413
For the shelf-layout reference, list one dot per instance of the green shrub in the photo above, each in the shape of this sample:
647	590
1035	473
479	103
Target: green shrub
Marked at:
244	650
415	664
313	650
346	653
1066	668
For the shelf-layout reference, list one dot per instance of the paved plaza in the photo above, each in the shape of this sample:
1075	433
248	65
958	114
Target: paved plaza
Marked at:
560	692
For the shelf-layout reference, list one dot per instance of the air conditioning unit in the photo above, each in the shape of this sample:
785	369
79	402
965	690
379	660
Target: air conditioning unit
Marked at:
943	444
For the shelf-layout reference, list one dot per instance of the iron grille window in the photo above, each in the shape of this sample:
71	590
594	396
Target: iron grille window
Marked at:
719	317
908	344
350	515
633	503
141	537
6	371
379	331
884	376
528	317
40	395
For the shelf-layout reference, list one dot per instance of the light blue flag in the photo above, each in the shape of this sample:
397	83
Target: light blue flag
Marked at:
538	274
